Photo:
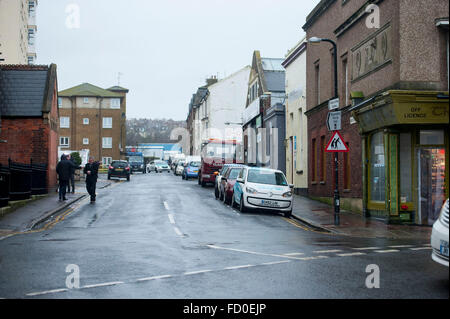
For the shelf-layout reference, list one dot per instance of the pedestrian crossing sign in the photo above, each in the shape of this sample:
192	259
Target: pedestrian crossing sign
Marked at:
336	144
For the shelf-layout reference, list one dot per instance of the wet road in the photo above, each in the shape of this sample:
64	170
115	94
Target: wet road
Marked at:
159	236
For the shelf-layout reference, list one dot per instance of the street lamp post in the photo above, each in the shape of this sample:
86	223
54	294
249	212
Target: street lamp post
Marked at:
336	158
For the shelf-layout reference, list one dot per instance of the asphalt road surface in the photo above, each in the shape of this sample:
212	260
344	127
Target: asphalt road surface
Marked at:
159	236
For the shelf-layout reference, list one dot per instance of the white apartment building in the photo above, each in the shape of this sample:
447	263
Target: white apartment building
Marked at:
219	114
18	31
296	141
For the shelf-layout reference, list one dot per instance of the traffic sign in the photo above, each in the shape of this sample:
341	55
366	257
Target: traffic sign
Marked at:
334	121
333	104
336	144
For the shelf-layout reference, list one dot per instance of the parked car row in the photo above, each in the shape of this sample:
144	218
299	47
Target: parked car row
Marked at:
252	188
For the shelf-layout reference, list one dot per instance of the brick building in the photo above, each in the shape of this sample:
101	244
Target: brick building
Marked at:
393	93
29	116
94	119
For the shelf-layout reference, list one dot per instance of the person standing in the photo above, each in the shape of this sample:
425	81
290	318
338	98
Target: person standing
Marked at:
64	169
72	175
91	171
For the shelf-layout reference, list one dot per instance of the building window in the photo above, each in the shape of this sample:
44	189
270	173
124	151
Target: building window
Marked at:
106	160
64	122
85	121
32	8
31	60
431	137
347	168
377	178
313	160
59	102
322	159
345	82
115	103
317	84
107	142
107	122
64	141
85	100
31	37
85	141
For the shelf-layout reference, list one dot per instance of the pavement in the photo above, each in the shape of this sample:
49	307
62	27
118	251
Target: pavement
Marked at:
315	214
321	216
36	211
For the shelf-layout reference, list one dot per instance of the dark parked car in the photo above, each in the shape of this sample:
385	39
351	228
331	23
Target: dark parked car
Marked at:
119	169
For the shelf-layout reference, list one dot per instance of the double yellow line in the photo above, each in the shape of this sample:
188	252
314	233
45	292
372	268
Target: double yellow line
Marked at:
298	225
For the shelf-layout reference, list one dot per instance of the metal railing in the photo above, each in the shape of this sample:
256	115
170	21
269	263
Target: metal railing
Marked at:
20	181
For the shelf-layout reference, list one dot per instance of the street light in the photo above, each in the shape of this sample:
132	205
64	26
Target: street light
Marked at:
336	158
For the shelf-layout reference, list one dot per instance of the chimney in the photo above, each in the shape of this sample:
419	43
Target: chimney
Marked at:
211	80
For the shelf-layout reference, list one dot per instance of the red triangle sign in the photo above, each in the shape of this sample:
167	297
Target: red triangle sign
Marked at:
336	144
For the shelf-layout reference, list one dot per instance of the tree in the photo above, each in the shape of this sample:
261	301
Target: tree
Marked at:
76	158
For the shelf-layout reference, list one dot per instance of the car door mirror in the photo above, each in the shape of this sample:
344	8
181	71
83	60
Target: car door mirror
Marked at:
240	180
291	185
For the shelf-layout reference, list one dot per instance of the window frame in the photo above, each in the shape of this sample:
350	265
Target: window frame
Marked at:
104	145
84	140
113	105
109	124
61	122
68	141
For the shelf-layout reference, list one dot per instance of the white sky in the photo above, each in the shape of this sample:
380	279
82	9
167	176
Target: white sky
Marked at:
165	49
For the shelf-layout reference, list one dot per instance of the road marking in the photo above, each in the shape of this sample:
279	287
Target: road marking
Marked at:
171	219
46	292
238	267
387	251
196	272
351	254
103	284
251	252
154	278
401	246
420	248
313	257
293	254
179	233
327	251
166	205
276	262
366	248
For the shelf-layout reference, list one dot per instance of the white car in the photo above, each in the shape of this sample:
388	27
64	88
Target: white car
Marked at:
439	237
179	168
262	188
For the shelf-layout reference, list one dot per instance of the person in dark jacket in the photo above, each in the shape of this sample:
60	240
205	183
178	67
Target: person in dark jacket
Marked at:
64	169
91	171
72	175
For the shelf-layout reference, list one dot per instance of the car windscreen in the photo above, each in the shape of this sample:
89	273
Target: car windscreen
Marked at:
135	159
161	163
266	177
119	164
194	164
234	173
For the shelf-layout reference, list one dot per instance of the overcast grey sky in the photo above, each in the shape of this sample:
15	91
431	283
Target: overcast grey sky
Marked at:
165	49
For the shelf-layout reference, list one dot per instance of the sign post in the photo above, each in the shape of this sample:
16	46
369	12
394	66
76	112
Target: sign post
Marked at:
336	145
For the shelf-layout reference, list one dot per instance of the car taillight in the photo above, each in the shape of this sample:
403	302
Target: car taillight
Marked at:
127	168
110	167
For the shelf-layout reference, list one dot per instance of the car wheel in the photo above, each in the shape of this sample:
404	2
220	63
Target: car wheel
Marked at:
203	184
199	180
182	176
109	176
225	199
288	214
128	178
233	202
242	208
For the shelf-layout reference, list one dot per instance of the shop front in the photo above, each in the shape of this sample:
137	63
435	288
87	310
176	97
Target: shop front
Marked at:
405	155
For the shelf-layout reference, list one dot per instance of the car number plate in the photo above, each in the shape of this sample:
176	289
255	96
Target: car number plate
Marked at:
444	248
270	203
119	169
195	171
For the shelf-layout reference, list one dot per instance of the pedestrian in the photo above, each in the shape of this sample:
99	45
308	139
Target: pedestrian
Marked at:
72	175
64	169
91	171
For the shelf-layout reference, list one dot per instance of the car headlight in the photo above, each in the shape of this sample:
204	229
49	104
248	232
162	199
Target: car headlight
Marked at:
287	194
251	190
443	215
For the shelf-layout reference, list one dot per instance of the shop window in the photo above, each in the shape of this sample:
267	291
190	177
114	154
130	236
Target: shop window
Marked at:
431	137
377	178
405	168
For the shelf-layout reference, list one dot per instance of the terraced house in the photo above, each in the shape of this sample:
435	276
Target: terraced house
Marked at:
92	118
